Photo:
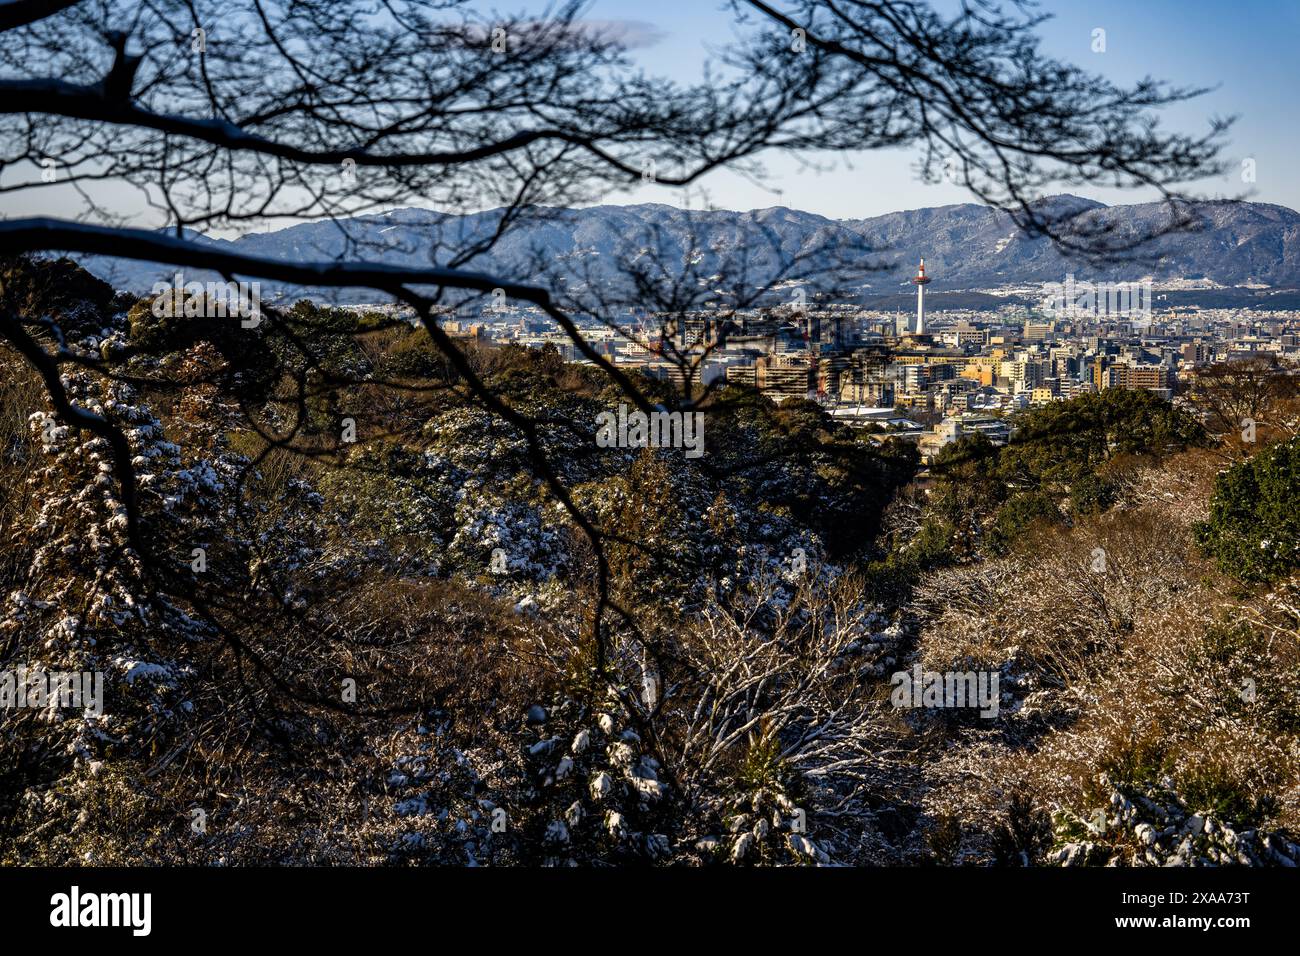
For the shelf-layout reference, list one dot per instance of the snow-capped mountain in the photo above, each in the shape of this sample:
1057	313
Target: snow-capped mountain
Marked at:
965	246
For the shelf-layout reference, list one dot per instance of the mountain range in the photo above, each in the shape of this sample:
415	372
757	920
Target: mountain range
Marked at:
966	247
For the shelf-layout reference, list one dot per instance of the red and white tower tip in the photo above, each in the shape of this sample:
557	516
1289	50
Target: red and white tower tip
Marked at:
921	280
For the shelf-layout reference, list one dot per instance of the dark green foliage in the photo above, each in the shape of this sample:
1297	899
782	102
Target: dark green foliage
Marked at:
54	288
1061	454
967	485
1063	442
1138	763
414	356
797	459
1253	531
1090	495
1024	835
1212	789
1021	511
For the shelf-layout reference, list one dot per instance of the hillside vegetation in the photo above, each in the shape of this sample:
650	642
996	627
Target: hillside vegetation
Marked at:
356	624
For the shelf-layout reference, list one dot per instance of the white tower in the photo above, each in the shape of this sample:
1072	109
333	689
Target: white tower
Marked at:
921	279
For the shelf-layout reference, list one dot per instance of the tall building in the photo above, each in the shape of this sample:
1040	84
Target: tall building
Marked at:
921	280
779	376
1155	377
1037	331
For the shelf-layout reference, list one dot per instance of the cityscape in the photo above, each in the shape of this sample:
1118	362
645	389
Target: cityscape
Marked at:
931	376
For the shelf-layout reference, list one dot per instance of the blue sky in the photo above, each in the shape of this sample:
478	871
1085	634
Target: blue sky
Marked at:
1249	50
